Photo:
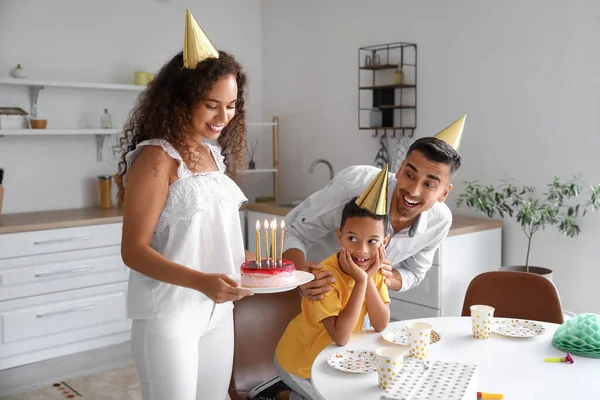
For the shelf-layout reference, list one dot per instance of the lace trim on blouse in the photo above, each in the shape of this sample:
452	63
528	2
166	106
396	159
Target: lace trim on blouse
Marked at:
192	192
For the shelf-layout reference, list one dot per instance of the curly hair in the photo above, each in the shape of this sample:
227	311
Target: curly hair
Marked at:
163	111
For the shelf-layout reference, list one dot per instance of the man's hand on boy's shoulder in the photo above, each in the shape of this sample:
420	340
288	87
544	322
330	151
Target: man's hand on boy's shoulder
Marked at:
386	271
315	289
391	276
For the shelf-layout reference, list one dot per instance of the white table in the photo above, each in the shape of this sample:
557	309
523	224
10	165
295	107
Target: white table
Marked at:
512	366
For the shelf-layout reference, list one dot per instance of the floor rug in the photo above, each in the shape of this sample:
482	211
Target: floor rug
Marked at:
116	384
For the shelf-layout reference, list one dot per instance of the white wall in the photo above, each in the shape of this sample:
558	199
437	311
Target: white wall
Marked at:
525	72
98	41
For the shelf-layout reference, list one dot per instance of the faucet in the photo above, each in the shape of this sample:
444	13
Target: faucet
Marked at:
319	161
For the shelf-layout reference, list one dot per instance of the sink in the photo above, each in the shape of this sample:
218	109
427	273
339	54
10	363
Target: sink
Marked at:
289	203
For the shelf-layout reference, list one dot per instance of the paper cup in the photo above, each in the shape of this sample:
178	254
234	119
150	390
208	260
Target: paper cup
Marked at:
389	363
482	318
418	335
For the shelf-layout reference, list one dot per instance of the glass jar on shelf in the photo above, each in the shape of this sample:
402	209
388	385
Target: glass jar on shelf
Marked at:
106	120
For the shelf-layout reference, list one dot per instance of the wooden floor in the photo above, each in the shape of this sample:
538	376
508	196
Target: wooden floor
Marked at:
31	376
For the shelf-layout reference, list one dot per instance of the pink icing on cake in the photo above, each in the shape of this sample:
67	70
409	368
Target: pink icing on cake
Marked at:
267	275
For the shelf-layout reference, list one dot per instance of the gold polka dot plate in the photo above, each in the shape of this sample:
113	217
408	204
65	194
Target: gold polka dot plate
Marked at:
519	328
398	336
355	361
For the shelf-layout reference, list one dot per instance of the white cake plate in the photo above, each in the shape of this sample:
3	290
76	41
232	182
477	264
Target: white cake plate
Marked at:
301	278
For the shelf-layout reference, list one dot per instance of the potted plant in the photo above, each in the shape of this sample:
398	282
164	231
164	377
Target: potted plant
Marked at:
560	207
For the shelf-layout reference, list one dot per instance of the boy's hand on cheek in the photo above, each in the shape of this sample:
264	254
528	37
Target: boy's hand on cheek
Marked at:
350	268
377	263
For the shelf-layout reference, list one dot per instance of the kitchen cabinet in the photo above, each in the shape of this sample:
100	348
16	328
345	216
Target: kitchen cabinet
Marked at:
61	291
457	261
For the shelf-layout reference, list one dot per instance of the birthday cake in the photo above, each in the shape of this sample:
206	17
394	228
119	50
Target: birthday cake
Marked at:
268	274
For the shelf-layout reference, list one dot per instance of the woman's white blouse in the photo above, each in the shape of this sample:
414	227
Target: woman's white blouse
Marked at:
199	227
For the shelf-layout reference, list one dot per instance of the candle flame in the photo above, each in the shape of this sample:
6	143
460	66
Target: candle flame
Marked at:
266	224
282	225
257	225
273	226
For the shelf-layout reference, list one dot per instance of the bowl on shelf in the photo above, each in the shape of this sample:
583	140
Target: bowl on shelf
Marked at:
38	123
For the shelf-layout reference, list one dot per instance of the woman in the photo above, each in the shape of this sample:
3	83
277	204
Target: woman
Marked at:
181	227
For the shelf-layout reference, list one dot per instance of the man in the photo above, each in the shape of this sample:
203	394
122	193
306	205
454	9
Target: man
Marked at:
418	218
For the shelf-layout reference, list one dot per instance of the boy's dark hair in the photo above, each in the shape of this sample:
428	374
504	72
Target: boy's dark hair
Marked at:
439	151
351	209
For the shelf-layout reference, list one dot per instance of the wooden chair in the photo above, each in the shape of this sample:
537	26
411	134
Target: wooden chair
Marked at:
514	294
260	321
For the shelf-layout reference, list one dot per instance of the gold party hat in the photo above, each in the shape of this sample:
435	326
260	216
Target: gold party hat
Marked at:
374	198
453	133
196	45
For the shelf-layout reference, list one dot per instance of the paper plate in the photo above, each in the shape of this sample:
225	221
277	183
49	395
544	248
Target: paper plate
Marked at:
355	361
301	278
398	336
519	328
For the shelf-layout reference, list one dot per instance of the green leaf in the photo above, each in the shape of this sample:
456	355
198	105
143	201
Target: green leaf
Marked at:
560	206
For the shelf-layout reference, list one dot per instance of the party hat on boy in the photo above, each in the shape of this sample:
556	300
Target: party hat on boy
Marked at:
196	44
374	197
453	133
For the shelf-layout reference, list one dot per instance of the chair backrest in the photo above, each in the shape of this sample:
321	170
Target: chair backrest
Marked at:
514	294
260	321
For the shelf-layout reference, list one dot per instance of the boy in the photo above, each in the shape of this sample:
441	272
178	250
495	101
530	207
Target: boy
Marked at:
359	288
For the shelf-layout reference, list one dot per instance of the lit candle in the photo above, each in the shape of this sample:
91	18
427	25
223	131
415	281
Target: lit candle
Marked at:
258	257
281	243
267	241
274	240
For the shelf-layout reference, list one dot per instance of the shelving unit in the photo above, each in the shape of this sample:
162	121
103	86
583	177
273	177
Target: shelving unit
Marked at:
36	85
377	92
276	164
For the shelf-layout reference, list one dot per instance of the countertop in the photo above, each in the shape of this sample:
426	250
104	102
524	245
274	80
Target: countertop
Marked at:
33	221
55	219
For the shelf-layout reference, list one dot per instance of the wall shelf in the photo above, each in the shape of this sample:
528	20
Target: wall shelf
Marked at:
386	107
35	85
387	88
100	134
379	67
49	132
76	85
257	171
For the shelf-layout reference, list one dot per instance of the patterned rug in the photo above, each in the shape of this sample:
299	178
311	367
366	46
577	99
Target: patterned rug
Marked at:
116	384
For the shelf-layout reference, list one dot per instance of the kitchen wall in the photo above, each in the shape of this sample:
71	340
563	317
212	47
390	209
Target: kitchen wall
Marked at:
525	73
99	41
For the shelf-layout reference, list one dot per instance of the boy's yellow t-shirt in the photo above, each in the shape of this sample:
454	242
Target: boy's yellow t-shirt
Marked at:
306	336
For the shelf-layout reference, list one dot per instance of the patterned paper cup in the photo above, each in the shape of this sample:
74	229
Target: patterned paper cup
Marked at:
419	337
482	318
389	363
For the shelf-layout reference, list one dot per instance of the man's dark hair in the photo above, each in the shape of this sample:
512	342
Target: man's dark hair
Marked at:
437	150
351	209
